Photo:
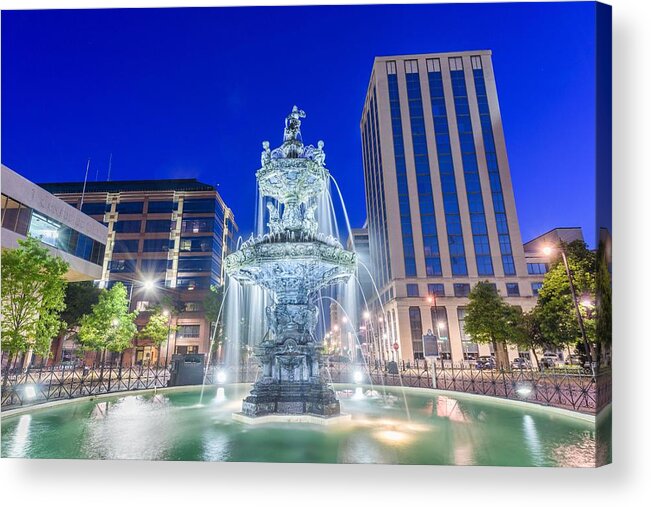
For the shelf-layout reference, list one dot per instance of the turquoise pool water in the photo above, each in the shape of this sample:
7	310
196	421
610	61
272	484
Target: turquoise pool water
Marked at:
430	428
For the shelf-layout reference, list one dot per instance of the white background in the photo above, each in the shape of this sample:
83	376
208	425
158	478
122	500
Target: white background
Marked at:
625	483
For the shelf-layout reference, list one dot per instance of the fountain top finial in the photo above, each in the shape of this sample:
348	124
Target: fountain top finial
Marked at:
293	125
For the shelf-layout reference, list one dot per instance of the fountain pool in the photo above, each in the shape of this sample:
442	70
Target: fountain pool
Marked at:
444	429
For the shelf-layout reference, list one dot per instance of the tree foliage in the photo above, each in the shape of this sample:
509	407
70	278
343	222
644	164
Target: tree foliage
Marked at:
80	298
489	319
33	292
603	287
110	325
555	308
157	328
213	302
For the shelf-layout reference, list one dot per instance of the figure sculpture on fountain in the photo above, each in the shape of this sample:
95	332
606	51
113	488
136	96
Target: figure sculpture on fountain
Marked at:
293	263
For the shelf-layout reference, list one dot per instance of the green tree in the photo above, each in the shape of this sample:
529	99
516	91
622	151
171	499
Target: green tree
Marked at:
110	326
212	306
33	291
158	328
603	286
489	319
80	298
555	307
531	336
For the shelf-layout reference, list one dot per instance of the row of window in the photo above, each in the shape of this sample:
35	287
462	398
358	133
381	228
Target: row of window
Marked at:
446	170
374	181
138	207
26	221
185	264
401	174
440	344
463	289
188	226
471	171
423	174
492	166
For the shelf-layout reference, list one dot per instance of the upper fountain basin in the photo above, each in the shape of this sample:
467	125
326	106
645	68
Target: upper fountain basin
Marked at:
292	179
291	268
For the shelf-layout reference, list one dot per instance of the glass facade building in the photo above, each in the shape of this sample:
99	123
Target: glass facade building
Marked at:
174	233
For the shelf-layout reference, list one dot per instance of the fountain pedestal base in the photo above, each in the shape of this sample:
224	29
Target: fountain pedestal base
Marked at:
291	398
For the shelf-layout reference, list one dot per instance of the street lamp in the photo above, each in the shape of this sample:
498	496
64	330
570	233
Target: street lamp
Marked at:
548	250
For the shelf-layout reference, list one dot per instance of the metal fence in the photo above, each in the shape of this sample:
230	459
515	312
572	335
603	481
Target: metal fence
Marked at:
569	389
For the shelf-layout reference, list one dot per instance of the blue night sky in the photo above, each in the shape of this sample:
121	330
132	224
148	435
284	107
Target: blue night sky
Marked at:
177	93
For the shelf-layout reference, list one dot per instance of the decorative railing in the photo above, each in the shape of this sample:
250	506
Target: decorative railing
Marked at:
564	388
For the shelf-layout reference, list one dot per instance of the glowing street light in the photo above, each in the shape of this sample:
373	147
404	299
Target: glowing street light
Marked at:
366	315
149	285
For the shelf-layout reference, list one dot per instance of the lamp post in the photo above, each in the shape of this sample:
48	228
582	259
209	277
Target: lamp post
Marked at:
548	251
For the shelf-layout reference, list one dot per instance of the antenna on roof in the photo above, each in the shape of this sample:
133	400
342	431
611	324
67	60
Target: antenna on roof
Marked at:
83	190
108	176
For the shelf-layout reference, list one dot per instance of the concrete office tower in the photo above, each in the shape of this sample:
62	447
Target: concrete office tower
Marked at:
440	205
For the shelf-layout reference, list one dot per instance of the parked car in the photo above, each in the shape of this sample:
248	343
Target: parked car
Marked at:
485	363
520	363
549	360
579	359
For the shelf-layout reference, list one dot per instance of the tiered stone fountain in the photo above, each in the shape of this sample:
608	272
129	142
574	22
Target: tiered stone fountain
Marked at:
292	261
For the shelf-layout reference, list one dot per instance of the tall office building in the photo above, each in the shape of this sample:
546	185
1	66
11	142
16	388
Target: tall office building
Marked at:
165	238
440	206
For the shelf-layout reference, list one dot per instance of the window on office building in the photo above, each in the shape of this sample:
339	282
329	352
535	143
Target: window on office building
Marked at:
188	331
194	264
512	289
197	225
157	245
122	266
440	322
535	287
154	265
127	226
95	208
416	327
470	349
15	216
461	290
412	289
436	289
134	207
199	206
159	226
125	246
537	268
160	206
195	245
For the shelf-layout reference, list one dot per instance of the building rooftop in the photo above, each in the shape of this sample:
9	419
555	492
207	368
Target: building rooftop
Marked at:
189	184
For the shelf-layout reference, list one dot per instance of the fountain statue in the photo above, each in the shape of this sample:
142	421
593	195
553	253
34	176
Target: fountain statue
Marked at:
293	261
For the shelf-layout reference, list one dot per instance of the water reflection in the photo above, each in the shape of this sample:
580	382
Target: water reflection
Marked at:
132	427
20	440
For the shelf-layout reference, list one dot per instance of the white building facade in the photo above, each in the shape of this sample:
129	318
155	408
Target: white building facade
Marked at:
440	205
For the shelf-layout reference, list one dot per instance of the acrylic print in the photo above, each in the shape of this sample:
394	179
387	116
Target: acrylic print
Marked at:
351	234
